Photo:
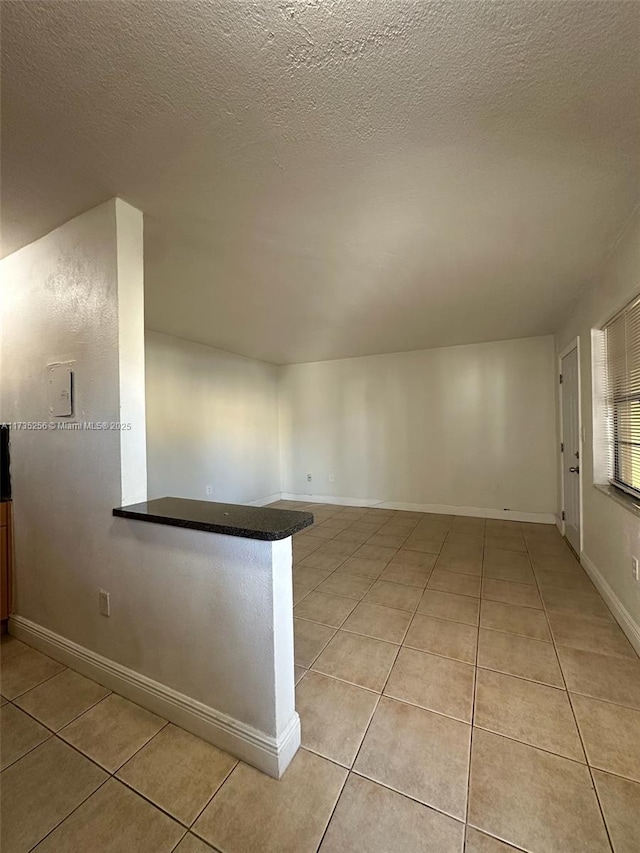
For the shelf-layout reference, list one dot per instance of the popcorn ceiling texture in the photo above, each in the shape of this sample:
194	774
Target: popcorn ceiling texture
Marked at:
331	179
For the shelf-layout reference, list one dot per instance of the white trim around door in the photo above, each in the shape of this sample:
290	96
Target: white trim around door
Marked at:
573	345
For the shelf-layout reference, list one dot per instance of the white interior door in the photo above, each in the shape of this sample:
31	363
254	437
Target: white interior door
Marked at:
570	394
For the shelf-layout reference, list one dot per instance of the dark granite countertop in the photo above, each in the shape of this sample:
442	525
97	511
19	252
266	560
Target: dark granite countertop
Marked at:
250	522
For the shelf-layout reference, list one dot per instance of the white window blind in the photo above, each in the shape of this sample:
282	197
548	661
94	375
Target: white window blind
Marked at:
622	389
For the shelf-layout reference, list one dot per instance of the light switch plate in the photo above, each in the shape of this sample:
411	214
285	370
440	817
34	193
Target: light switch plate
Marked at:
104	599
60	389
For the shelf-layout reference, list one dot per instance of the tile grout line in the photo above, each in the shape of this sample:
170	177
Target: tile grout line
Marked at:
350	770
467	824
332	539
413	799
73	719
362	601
473	699
211	798
376	781
111	775
84	754
534	746
40	683
335	805
97	763
29	751
355	758
573	713
126	784
476	668
598	699
73	811
373	581
414	613
52	732
55	734
179	842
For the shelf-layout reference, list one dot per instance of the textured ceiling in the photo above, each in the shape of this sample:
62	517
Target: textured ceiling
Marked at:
324	179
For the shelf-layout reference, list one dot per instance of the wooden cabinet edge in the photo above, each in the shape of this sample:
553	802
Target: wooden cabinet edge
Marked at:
5	564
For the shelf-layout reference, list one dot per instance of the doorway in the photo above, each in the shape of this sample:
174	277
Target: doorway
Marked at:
571	445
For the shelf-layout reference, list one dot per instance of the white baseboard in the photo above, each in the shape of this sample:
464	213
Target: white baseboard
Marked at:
620	612
268	499
440	509
329	499
472	511
269	754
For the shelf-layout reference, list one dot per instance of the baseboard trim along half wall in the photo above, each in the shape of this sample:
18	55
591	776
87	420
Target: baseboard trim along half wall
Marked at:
439	509
619	611
269	754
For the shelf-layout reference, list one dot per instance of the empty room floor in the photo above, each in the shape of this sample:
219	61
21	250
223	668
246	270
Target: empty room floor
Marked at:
461	685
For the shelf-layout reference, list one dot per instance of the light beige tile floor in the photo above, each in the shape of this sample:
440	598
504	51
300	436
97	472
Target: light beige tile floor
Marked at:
461	686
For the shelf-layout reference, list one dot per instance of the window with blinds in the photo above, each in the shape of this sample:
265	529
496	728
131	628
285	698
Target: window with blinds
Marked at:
622	389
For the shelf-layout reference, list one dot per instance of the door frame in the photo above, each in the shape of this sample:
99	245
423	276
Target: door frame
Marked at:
572	345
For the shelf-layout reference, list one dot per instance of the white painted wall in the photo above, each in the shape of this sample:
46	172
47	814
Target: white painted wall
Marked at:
201	625
469	426
60	300
611	533
212	418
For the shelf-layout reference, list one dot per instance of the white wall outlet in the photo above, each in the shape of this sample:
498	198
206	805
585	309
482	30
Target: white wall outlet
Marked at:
308	478
332	478
635	569
209	490
104	599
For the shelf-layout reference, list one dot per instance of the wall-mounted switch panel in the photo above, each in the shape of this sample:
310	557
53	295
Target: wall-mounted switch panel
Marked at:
105	602
60	389
635	569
